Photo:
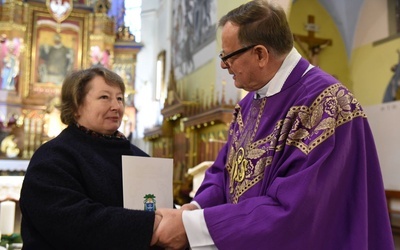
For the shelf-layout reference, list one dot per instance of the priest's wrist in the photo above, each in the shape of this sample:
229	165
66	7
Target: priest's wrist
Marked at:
189	206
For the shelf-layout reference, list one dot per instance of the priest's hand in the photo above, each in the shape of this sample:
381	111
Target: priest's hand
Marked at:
171	232
189	206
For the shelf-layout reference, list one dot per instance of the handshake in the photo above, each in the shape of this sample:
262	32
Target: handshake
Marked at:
169	231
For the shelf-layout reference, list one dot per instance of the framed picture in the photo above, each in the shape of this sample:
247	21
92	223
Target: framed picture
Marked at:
10	61
57	48
193	34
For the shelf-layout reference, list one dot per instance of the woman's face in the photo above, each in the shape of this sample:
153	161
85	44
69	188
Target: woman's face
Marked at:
103	107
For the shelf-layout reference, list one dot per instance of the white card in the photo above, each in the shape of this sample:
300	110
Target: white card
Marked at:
147	175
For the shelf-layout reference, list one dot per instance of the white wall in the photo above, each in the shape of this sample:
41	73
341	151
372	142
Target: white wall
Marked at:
384	121
156	30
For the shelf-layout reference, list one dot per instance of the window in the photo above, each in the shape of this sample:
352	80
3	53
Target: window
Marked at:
160	78
133	9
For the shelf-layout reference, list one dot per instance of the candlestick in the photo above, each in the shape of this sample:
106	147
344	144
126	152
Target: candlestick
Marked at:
7	217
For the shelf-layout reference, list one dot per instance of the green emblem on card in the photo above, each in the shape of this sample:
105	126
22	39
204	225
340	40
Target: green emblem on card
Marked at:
149	202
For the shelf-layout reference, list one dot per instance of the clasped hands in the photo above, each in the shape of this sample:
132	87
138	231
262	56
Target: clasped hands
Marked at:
169	231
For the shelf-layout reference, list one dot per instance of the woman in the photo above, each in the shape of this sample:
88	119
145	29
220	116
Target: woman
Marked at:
72	197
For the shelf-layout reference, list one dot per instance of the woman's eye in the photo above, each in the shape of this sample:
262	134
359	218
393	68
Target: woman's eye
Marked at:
120	99
103	97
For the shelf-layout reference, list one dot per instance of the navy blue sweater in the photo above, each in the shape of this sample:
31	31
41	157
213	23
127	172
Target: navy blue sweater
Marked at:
72	197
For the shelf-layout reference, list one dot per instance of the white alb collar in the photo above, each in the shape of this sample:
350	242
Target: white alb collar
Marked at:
274	86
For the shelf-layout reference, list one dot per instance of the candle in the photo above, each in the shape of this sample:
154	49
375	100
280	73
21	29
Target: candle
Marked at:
7	217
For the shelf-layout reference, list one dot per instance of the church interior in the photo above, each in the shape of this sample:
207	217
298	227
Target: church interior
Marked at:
179	101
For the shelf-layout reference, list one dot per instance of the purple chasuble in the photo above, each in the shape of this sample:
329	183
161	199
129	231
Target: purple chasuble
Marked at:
299	171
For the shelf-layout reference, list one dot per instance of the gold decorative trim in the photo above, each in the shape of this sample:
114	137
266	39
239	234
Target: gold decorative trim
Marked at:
102	38
303	127
10	26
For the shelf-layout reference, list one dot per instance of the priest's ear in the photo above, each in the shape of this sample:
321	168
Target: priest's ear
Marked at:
262	53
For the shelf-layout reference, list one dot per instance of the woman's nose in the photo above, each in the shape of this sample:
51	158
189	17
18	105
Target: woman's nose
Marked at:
115	104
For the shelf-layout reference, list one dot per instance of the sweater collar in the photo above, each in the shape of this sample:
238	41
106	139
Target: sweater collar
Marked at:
116	135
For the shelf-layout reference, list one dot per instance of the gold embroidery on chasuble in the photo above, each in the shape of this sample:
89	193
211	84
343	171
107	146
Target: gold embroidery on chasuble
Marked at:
245	165
303	127
308	127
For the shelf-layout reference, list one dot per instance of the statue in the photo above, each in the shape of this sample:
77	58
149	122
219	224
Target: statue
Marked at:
9	146
124	34
392	92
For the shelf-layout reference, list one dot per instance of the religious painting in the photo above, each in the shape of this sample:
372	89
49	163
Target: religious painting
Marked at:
194	30
56	50
126	71
99	57
10	51
59	9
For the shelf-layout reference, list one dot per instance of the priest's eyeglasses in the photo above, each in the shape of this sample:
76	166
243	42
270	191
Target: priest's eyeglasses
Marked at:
234	53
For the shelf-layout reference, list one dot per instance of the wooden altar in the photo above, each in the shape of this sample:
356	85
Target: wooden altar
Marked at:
80	36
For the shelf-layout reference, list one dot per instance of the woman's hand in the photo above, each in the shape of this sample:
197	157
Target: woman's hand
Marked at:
157	221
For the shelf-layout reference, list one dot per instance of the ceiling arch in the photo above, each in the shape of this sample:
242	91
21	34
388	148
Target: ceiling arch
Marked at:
345	14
